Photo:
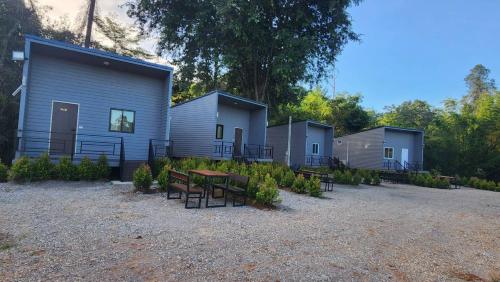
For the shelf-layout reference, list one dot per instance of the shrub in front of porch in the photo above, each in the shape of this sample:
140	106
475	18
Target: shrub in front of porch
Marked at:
268	193
299	185
21	171
143	179
43	168
314	187
66	170
4	172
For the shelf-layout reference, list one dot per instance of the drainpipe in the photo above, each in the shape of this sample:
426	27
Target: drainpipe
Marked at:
289	141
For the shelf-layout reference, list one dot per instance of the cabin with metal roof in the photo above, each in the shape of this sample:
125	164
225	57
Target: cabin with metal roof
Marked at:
382	148
79	102
220	126
310	143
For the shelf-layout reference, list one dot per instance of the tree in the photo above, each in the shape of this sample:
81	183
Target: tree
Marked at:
16	19
413	114
478	82
347	115
260	48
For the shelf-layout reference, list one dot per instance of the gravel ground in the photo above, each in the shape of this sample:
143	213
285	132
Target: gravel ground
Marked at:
97	231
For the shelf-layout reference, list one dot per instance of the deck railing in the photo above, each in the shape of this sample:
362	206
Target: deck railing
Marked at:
223	149
316	160
253	151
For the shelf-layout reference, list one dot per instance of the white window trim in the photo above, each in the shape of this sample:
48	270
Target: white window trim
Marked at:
313	149
391	158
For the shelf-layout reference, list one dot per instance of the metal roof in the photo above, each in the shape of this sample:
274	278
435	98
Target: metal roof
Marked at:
226	95
96	52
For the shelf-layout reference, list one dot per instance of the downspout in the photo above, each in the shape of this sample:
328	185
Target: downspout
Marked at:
289	141
169	103
24	93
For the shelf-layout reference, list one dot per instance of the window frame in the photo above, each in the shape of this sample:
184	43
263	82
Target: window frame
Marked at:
121	125
312	152
217	131
392	153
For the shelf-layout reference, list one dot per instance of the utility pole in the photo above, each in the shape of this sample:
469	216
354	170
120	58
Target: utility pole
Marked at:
90	21
288	151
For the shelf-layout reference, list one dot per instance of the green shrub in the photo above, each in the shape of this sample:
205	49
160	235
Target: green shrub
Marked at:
163	178
66	170
159	164
376	179
314	187
347	178
87	169
299	185
356	179
102	168
288	179
143	179
43	169
338	176
268	192
253	186
3	172
367	179
21	170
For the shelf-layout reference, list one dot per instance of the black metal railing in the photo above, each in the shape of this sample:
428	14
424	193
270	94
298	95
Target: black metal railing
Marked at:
252	151
316	160
412	166
393	165
223	149
32	143
159	149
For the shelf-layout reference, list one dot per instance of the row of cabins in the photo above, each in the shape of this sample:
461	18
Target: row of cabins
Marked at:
84	102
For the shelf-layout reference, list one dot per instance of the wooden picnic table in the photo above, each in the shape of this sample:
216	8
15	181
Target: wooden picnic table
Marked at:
209	175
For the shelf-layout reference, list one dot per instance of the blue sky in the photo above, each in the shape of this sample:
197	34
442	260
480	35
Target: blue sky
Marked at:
418	49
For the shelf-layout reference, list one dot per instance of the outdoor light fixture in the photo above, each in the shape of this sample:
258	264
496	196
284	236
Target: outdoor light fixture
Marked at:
17	55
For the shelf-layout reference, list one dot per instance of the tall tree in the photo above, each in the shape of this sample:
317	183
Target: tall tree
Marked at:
260	48
478	82
16	19
413	114
348	116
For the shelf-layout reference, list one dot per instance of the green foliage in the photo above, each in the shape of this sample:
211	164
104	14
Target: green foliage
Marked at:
66	170
299	185
253	186
483	184
102	168
4	172
428	180
43	169
356	179
288	179
221	42
87	170
376	179
21	171
159	164
268	191
163	179
314	187
143	179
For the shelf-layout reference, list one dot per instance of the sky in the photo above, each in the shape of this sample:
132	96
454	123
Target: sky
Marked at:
408	50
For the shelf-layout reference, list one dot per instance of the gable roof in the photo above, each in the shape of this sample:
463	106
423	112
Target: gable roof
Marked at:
393	128
95	53
308	121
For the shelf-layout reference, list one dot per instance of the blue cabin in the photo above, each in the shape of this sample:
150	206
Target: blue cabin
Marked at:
220	126
80	102
384	147
311	143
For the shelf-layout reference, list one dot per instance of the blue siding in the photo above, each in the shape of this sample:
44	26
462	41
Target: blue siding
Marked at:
232	117
96	90
258	124
192	127
361	150
277	136
298	143
315	135
402	139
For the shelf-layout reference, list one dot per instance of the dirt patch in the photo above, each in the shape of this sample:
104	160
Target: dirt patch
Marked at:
6	241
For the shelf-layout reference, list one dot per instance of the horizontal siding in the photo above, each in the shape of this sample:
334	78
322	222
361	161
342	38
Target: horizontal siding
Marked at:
277	136
404	139
298	143
365	149
96	90
192	127
258	124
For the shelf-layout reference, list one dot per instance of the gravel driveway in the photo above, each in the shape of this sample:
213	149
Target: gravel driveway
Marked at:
97	231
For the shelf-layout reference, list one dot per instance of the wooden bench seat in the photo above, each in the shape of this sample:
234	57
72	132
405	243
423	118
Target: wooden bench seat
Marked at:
183	187
240	191
179	183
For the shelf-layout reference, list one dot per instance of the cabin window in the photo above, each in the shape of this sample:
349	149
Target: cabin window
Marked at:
219	131
388	153
122	121
315	148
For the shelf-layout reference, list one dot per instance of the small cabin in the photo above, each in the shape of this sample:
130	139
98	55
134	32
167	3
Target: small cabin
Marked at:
82	102
220	126
385	147
310	143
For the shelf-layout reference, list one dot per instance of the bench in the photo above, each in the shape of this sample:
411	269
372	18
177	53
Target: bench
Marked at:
179	183
237	185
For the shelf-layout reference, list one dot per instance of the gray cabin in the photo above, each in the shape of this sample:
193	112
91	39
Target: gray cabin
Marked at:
311	143
385	147
80	102
220	126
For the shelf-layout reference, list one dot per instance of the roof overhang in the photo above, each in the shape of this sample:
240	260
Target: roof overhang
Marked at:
239	102
95	57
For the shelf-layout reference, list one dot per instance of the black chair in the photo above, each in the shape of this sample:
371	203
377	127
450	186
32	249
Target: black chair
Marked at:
237	185
179	183
327	180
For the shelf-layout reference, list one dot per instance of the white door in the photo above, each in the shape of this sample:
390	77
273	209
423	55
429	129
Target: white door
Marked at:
404	156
